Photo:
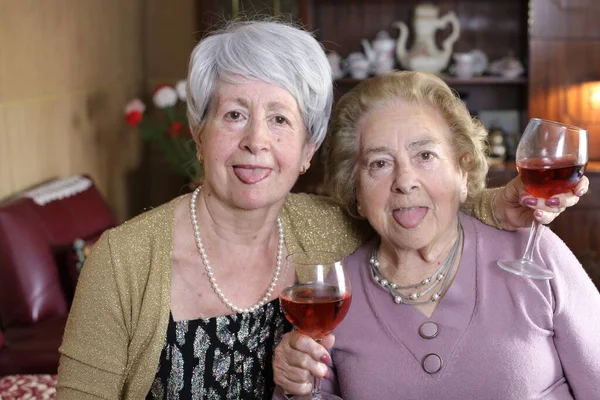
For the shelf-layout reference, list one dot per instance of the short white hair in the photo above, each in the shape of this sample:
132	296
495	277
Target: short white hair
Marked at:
267	51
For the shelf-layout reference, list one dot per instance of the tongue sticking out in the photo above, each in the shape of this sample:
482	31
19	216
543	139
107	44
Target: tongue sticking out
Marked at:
410	218
251	175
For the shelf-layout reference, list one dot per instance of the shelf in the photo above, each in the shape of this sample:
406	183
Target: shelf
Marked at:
454	81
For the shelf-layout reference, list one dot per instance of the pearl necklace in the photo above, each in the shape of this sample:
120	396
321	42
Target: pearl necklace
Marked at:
442	274
209	271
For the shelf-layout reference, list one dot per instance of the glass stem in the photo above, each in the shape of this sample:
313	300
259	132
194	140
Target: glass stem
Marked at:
531	242
315	394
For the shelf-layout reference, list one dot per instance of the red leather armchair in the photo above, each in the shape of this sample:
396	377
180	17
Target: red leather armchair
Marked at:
36	280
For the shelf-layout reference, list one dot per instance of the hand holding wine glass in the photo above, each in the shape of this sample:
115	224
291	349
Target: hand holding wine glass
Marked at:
551	159
318	300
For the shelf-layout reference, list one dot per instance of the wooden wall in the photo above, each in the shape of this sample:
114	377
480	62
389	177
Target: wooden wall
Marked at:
67	67
564	60
170	35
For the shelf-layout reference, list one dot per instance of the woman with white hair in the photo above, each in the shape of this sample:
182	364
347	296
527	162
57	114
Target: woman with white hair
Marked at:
181	302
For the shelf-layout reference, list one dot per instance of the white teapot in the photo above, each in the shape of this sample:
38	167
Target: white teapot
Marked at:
425	56
381	53
358	65
335	62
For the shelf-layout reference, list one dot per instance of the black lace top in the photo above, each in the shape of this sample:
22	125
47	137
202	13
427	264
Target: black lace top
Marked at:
226	357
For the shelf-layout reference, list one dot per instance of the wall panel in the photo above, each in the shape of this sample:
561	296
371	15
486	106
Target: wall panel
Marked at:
67	67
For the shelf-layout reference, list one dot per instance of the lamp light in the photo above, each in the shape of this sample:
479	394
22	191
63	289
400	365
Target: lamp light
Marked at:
582	100
595	96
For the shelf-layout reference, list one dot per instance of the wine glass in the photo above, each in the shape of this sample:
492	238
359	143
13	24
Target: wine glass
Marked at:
318	299
551	159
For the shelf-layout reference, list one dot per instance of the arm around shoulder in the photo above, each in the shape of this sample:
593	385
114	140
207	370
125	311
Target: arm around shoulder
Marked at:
482	207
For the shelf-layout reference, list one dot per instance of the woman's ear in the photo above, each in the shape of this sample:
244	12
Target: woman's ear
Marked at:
359	206
464	186
309	152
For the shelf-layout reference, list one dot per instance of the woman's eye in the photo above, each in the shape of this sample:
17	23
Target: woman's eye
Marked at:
377	164
234	115
426	155
281	120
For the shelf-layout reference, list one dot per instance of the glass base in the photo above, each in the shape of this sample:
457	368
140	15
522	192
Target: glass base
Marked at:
524	267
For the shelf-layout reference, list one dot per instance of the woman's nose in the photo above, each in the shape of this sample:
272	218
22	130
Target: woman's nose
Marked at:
257	136
406	179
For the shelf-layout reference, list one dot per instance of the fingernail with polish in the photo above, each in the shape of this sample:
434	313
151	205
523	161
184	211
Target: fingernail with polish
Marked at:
539	213
553	202
326	359
530	201
327	374
580	193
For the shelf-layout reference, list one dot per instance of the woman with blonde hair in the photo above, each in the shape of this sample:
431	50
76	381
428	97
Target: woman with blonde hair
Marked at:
432	315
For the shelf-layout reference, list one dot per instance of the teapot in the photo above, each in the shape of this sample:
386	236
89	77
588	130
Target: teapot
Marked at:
425	56
335	62
473	63
509	67
358	65
381	53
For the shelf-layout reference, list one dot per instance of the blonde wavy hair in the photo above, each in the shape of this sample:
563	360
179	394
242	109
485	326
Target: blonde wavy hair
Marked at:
468	135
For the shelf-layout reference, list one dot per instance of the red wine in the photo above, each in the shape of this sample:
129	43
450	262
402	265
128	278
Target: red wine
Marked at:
315	310
546	176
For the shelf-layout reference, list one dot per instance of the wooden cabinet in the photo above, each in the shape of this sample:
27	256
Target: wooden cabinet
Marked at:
497	28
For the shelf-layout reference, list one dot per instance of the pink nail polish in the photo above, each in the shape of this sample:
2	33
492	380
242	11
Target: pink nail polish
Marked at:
539	213
327	374
580	193
530	201
326	359
553	202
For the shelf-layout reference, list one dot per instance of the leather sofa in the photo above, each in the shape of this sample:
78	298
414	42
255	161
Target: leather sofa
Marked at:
38	229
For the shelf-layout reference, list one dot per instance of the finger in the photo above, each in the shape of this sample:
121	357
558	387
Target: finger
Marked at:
582	186
545	217
560	201
328	341
528	200
295	379
300	351
309	346
290	375
555	204
296	388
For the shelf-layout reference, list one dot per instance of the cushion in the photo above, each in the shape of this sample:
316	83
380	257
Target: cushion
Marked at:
33	226
13	387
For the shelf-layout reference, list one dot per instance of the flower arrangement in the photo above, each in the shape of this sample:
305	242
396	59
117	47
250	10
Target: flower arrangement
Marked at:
169	129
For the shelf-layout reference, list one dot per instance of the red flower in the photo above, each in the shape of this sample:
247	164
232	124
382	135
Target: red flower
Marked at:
134	118
175	129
